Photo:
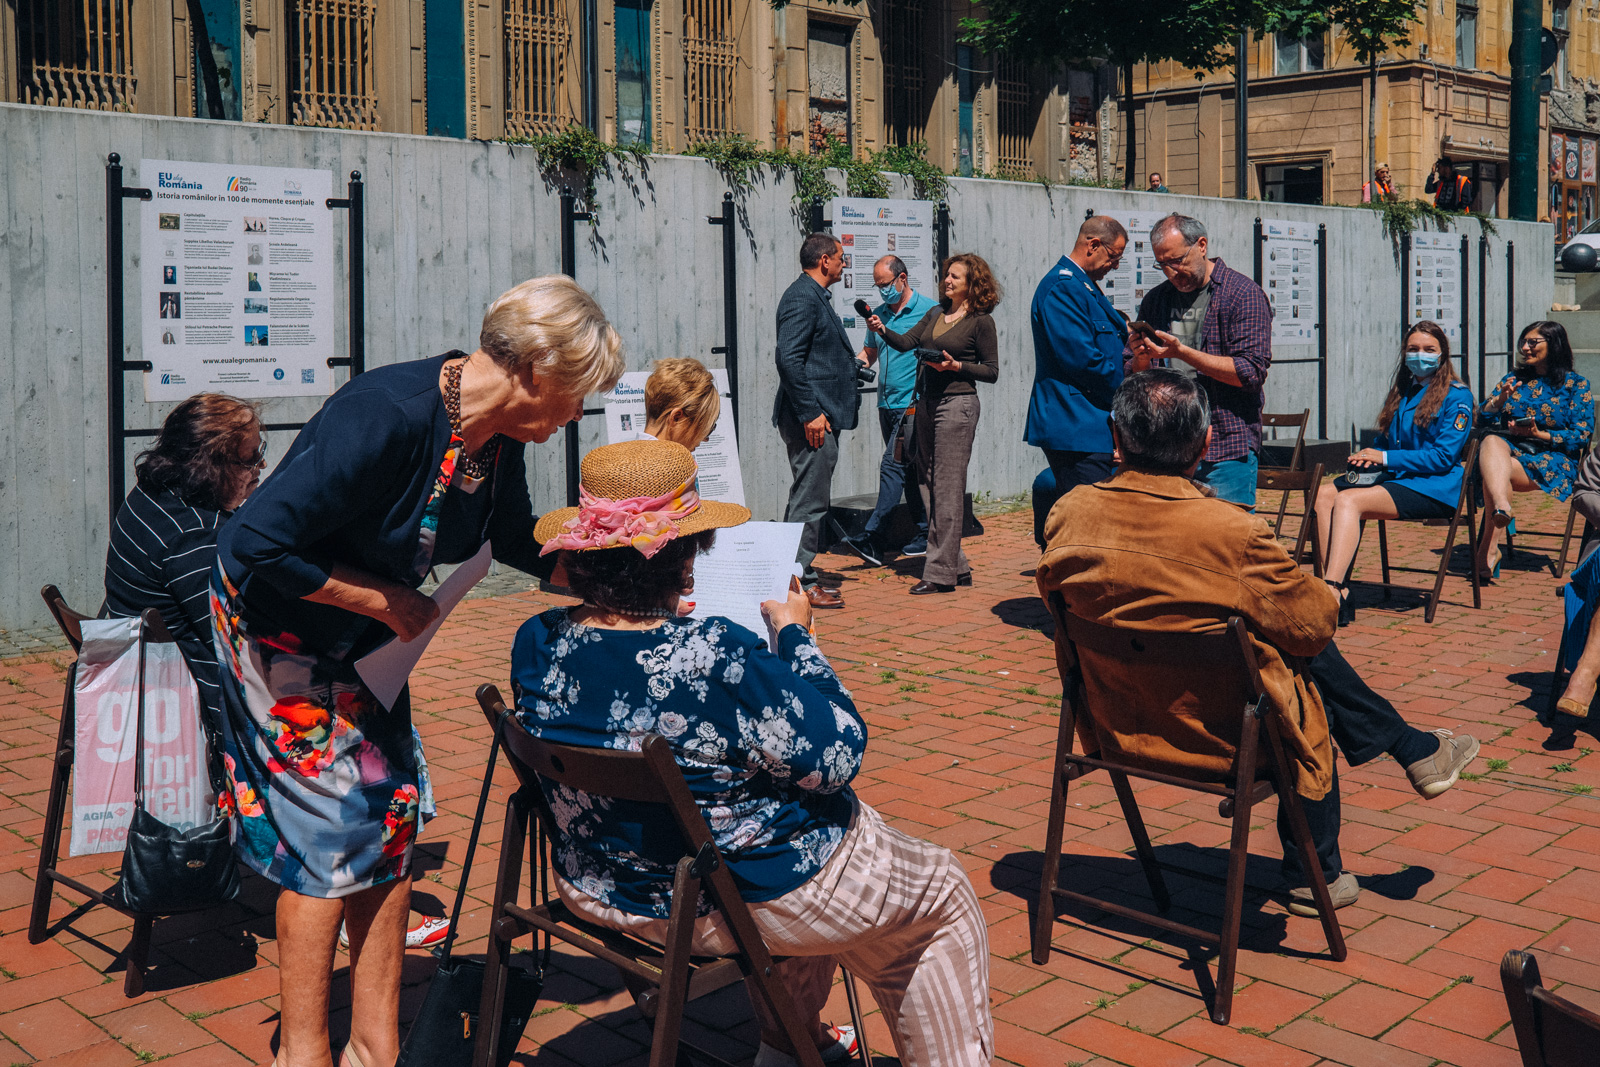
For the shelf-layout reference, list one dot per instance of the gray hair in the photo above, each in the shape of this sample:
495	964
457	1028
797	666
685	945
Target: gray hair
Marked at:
1191	229
1161	418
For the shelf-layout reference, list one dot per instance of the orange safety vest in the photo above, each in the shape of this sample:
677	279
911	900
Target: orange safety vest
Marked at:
1461	188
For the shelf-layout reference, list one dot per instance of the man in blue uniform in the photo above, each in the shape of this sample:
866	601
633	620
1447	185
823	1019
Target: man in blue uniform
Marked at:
1078	339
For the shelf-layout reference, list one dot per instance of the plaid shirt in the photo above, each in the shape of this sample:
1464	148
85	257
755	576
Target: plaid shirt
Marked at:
1238	324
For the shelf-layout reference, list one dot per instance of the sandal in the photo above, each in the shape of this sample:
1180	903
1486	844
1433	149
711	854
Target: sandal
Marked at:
1578	709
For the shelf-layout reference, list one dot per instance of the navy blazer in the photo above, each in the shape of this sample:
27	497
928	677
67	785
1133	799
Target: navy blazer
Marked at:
1078	339
351	490
816	365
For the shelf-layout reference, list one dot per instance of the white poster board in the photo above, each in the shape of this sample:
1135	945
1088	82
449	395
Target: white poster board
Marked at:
870	230
717	457
1289	276
1435	278
1137	274
237	290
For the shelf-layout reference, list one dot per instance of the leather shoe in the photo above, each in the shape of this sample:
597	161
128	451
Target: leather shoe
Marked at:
925	587
964	579
824	598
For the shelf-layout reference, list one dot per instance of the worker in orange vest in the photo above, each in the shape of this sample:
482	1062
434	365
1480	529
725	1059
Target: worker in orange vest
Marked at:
1380	187
1451	191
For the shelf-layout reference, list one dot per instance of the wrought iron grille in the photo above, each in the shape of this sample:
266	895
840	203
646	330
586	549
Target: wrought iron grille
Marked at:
1014	115
331	64
901	41
710	62
75	53
537	42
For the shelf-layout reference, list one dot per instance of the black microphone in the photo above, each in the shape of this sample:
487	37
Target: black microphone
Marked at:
862	309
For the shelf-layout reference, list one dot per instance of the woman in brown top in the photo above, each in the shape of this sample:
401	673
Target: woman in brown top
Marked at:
957	347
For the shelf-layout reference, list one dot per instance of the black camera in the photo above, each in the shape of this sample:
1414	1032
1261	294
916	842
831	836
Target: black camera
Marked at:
865	375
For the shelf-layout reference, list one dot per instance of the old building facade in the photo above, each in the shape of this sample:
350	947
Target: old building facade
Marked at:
1445	95
666	73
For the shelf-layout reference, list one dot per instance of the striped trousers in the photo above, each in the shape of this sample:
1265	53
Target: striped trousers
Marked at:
898	912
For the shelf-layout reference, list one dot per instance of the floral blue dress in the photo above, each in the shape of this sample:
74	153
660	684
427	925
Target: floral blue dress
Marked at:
768	744
1567	411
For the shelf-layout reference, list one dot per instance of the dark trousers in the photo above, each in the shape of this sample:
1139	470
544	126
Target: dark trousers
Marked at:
1070	470
1364	726
811	491
893	477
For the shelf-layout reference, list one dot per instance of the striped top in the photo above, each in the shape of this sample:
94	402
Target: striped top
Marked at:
161	554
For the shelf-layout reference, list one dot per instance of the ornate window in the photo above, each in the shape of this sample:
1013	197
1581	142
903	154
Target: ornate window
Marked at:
900	34
538	39
75	53
709	60
331	64
1014	111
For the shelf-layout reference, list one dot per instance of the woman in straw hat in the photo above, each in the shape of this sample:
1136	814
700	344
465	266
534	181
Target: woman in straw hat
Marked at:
768	740
406	467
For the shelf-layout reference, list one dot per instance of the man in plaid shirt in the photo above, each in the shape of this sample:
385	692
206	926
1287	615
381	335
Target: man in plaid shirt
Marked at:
1215	323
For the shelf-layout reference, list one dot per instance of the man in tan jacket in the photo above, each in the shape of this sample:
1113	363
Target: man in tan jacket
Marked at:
1150	547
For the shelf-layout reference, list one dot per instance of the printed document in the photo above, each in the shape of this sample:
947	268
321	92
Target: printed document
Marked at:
748	564
387	668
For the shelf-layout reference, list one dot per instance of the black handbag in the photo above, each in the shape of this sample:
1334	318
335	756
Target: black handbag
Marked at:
1360	478
445	1031
164	870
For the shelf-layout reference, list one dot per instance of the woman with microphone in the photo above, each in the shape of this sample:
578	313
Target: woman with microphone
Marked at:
957	347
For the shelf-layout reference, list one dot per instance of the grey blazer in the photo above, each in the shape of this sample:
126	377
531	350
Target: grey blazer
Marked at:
816	366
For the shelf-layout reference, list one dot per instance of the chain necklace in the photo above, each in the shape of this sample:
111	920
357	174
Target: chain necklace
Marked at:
472	466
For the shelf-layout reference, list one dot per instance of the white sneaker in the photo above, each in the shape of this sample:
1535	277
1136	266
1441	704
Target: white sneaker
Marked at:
425	934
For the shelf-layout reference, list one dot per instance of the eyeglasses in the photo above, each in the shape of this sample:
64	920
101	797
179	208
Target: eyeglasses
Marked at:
1174	264
1530	343
258	458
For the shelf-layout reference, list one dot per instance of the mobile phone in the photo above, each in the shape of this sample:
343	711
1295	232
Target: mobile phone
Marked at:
1530	422
1136	328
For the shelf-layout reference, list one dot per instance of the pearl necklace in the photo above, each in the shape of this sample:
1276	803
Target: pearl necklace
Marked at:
639	613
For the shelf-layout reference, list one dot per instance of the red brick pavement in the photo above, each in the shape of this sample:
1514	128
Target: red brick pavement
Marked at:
961	696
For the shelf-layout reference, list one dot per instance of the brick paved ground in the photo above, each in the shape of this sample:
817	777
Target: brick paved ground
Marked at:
961	695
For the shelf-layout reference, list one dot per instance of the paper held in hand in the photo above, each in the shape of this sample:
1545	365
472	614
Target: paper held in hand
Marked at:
387	668
747	565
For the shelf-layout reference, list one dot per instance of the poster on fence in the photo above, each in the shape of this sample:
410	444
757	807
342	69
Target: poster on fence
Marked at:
1289	276
237	291
870	230
1435	279
1137	274
717	457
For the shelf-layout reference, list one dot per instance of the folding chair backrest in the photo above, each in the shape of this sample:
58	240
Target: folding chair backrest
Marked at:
1164	701
1551	1031
1279	420
70	621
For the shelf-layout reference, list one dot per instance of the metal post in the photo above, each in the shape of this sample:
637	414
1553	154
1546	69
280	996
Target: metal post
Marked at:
1256	245
570	217
356	261
1322	330
114	330
1466	307
1511	307
1241	117
729	349
1483	314
1527	20
1405	283
941	235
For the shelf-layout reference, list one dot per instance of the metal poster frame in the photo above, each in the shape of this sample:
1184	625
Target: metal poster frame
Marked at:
117	431
1321	358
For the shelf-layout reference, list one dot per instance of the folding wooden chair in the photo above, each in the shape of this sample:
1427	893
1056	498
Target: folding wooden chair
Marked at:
661	978
1217	677
1558	565
1286	481
137	955
1551	1031
1297	459
1466	514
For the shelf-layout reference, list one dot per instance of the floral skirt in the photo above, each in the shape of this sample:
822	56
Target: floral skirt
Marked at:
327	784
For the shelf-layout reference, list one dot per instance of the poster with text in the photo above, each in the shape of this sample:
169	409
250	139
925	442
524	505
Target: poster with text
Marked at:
1289	276
237	280
1435	280
717	457
870	230
1137	274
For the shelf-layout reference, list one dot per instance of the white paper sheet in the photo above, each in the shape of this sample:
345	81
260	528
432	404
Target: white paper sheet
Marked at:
387	668
748	564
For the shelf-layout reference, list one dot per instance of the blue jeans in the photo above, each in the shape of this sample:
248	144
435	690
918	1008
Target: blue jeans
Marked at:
1233	479
892	479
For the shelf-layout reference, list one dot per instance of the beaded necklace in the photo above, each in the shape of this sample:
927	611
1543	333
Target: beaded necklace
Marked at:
472	466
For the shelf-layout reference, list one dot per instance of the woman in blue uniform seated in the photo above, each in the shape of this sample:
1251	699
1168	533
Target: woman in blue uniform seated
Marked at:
1545	416
1423	429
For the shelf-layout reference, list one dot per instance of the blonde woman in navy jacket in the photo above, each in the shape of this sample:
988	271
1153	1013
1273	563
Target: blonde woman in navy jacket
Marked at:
1423	429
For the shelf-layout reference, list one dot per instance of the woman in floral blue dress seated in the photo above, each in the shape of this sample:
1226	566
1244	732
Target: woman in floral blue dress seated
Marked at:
768	740
1545	416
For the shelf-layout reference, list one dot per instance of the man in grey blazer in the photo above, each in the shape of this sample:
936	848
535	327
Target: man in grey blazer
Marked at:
817	398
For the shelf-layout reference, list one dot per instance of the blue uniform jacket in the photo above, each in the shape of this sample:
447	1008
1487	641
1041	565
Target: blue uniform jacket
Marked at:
1428	461
1077	349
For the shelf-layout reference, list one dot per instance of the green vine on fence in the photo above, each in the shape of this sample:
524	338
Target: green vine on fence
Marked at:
740	160
1401	217
577	150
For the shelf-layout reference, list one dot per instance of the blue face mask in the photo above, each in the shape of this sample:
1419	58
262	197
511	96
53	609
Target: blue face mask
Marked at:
889	293
1422	364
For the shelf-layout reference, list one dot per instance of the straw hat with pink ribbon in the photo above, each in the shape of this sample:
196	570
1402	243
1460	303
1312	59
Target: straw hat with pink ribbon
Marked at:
637	494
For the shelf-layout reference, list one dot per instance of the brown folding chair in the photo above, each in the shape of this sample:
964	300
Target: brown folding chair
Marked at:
1465	516
137	955
1287	481
1220	670
1551	1030
661	978
1297	459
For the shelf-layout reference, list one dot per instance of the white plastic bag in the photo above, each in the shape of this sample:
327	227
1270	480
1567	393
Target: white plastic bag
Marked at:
106	698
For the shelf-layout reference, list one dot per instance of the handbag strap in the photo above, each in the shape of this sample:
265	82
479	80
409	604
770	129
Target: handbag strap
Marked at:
138	736
472	847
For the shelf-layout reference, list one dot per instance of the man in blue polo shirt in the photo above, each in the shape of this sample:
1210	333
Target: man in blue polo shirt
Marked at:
902	308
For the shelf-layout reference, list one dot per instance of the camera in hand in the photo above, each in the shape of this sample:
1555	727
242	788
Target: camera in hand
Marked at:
865	375
931	355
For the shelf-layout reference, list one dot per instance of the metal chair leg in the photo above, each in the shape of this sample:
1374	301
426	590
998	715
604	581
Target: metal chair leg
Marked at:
854	999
